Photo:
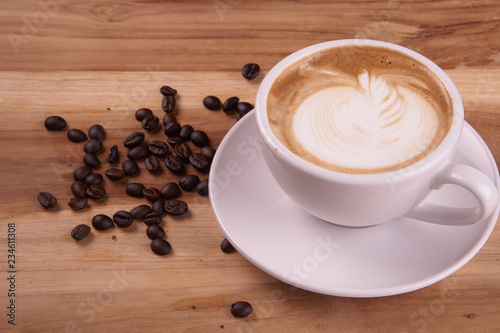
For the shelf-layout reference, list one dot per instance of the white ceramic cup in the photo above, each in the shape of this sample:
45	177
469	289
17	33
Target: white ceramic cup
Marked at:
358	200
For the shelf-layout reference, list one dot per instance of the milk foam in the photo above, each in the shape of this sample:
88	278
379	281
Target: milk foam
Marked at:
365	122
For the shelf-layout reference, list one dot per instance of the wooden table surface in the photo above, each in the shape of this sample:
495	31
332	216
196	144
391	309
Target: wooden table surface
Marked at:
99	61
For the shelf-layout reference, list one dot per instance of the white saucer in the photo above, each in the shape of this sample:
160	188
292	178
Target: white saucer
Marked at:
274	234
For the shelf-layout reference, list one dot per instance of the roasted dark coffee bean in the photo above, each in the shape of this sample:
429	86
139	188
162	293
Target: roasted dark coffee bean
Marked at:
92	146
171	191
134	139
175	207
186	131
241	309
183	151
175	164
47	200
155	231
152	164
159	148
153	218
77	203
202	188
226	247
138	153
102	222
79	189
135	190
211	102
160	246
143	113
130	167
140	211
208	152
173	140
168	103
157	206
242	109
169	118
199	161
82	172
76	135
230	104
152	194
93	179
168	91
123	219
172	129
96	192
189	182
113	156
97	132
55	123
250	71
114	174
80	232
91	160
150	123
199	138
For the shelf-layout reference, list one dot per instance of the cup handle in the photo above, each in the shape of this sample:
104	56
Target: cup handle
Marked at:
472	180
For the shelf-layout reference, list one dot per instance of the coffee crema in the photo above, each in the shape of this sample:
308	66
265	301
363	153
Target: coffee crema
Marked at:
359	109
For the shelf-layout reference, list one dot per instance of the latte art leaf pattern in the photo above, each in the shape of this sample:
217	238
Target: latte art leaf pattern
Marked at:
371	122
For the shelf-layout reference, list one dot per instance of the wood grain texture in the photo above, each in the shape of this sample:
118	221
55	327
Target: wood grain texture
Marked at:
97	62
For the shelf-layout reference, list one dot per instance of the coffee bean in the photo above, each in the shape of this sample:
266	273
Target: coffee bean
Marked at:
153	218
142	113
47	200
123	219
185	132
97	132
208	152
79	189
199	138
243	108
189	182
113	156
202	188
138	153
172	129
92	146
76	135
134	139
130	167
81	173
211	102
96	192
155	231
169	118
114	174
102	222
150	123
175	164
241	309
134	190
152	164
226	247
250	71
140	211
55	123
230	104
160	246
93	179
168	91
183	151
171	191
173	140
199	161
159	148
77	203
152	194
157	206
175	207
91	160
80	232
168	103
